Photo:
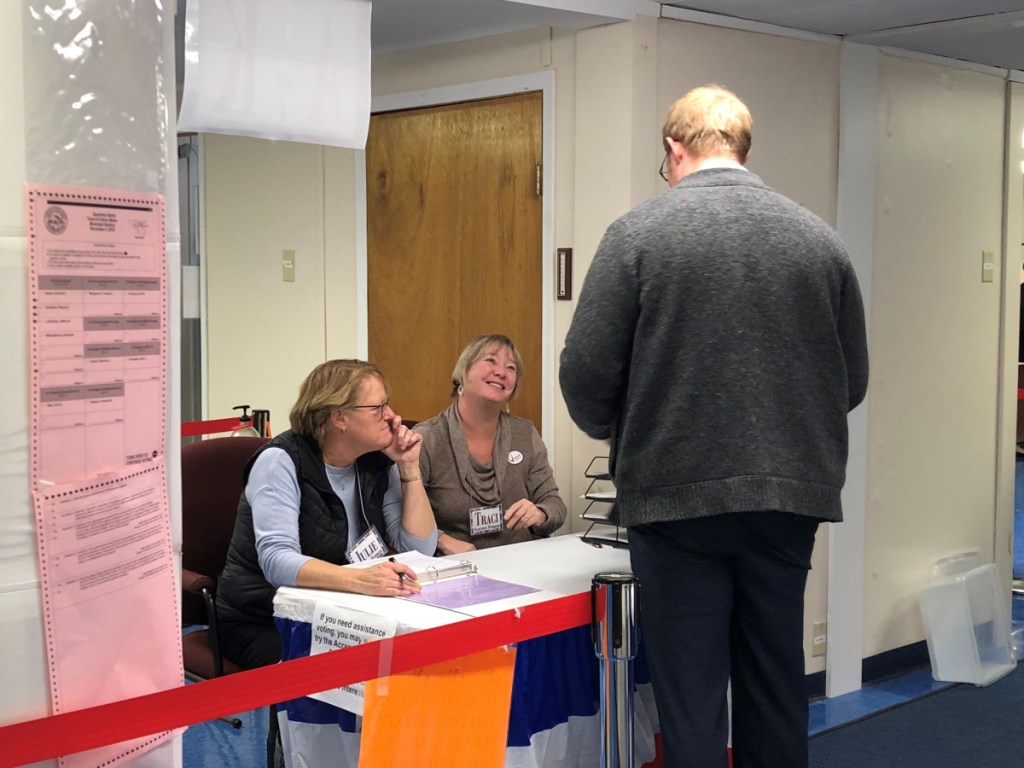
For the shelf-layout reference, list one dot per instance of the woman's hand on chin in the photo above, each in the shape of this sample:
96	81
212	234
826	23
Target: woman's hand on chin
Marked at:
405	444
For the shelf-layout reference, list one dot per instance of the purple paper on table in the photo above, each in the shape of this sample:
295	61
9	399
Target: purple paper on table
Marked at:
464	591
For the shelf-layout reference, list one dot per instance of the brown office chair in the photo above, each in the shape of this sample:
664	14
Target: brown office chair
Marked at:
211	484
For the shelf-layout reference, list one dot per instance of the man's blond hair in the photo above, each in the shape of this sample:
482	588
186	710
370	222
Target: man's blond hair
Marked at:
710	120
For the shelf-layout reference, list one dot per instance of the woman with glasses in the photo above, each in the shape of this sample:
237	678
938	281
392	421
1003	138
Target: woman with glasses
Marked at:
486	472
341	486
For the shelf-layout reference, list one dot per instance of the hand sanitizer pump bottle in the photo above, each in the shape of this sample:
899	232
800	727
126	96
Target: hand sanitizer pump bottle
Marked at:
245	420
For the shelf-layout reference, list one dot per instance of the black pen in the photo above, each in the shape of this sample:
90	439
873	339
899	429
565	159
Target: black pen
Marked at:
401	574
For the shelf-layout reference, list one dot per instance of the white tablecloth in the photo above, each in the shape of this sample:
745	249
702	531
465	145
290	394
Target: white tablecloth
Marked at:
554	722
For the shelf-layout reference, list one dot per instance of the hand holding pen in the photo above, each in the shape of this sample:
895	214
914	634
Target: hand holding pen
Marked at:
407	583
389	578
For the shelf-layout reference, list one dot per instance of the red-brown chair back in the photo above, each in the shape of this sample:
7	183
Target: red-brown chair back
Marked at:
211	485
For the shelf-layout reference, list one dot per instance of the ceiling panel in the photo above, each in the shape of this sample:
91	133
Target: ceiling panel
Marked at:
987	32
1003	47
846	17
400	24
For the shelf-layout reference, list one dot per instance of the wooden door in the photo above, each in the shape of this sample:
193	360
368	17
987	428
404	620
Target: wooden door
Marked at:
453	244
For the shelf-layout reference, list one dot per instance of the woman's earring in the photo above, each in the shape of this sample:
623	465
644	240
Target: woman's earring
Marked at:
508	407
460	390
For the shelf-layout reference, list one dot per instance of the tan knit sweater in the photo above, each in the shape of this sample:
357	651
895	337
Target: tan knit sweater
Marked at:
455	483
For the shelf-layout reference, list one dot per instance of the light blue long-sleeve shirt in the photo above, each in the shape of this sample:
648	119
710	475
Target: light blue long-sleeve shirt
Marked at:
273	493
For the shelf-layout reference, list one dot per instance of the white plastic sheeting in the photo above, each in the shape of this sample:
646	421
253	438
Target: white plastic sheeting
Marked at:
297	70
96	94
88	91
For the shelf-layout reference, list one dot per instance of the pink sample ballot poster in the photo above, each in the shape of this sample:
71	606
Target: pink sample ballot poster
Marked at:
98	298
109	597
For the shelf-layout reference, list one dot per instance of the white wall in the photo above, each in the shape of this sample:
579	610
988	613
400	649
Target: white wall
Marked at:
792	89
614	164
935	335
263	334
341	298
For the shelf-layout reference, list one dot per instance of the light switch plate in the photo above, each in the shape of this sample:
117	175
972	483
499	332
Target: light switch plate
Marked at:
988	266
288	266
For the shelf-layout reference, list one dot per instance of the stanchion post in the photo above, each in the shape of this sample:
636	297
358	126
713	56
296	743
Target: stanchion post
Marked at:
613	628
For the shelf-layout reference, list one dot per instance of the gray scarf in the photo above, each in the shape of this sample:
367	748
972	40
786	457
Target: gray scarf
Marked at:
481	482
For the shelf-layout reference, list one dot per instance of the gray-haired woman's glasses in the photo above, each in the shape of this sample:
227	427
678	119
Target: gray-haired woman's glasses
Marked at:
378	408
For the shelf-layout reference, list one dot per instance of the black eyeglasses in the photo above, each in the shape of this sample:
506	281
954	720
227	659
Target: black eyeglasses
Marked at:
378	408
663	171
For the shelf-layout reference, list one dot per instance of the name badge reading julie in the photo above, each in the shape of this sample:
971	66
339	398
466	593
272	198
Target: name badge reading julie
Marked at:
486	520
369	546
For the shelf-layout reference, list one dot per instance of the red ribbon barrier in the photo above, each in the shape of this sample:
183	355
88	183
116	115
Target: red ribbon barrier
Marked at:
70	732
195	428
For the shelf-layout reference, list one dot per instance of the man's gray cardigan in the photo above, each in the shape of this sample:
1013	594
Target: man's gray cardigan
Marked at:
719	343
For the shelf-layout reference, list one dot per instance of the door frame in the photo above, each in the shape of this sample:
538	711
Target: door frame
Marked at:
483	89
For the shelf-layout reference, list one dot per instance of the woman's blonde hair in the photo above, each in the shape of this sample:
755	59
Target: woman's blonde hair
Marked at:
475	350
709	120
328	387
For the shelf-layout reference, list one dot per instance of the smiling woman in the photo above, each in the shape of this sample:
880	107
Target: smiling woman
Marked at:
486	472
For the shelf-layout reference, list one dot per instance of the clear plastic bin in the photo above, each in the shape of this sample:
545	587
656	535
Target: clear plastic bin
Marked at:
967	623
1017	640
955	565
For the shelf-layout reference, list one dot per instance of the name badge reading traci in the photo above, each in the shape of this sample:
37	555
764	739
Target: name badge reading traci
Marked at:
369	546
485	520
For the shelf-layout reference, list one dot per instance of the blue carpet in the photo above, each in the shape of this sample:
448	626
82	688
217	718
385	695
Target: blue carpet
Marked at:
826	714
960	727
215	743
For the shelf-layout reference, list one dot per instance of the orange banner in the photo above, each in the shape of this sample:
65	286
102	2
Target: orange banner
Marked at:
451	713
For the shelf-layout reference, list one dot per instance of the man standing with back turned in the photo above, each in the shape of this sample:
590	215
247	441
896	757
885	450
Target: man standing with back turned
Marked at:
719	344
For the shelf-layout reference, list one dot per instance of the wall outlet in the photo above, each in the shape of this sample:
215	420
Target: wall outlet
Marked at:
819	638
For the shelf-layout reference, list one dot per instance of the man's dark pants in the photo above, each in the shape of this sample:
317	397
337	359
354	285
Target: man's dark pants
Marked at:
722	598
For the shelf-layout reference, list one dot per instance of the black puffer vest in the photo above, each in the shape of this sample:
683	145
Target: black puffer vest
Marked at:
243	593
